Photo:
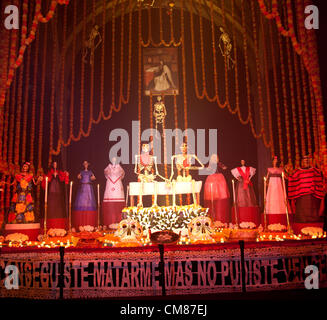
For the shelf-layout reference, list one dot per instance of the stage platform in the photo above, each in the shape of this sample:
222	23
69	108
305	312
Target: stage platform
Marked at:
163	270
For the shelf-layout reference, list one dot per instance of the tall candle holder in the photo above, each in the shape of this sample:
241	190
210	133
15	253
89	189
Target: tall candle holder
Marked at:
70	207
264	202
289	229
45	206
234	202
98	205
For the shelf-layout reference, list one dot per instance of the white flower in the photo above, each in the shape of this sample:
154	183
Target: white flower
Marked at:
56	232
247	225
276	227
114	226
16	237
87	228
312	231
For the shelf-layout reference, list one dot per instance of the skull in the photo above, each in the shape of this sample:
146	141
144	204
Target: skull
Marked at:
129	230
200	228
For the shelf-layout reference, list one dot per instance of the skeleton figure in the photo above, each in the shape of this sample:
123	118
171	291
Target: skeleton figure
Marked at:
225	47
146	169
129	231
183	163
159	112
200	228
145	3
90	46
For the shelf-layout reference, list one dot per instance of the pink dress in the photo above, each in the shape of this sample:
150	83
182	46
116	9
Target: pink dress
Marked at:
113	200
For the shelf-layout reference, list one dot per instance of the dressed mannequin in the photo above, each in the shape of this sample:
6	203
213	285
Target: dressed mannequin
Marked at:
22	204
85	210
305	190
57	180
216	193
113	200
21	217
246	203
275	200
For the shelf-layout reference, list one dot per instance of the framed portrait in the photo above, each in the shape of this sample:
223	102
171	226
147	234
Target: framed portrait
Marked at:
160	67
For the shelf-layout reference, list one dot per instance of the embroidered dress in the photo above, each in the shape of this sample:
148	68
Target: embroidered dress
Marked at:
246	203
22	204
85	210
113	201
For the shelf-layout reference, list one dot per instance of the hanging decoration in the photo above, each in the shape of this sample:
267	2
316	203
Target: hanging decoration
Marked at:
225	46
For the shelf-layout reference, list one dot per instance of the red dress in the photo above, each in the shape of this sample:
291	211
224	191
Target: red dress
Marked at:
57	211
216	196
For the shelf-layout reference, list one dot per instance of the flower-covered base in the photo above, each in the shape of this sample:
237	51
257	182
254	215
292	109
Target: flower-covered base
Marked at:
32	230
165	218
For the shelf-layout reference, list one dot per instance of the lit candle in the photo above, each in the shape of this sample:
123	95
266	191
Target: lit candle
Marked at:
98	205
70	206
233	183
46	189
264	187
70	191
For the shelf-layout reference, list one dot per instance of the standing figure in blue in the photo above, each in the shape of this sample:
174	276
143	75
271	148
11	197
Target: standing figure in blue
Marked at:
85	210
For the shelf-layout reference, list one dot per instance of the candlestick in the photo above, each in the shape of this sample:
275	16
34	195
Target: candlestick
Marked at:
45	206
98	205
174	193
234	202
155	193
46	189
289	230
233	183
70	207
264	205
211	196
193	192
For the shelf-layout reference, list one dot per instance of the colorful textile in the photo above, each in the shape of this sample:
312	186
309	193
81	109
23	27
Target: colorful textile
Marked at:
304	182
22	204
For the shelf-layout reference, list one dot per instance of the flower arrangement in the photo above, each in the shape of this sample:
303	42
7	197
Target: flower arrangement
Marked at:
219	224
16	237
56	232
312	231
87	228
165	218
276	227
247	225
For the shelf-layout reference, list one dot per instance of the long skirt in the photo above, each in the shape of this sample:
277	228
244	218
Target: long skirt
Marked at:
112	211
216	197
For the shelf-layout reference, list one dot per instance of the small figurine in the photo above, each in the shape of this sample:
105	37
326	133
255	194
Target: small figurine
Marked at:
183	163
